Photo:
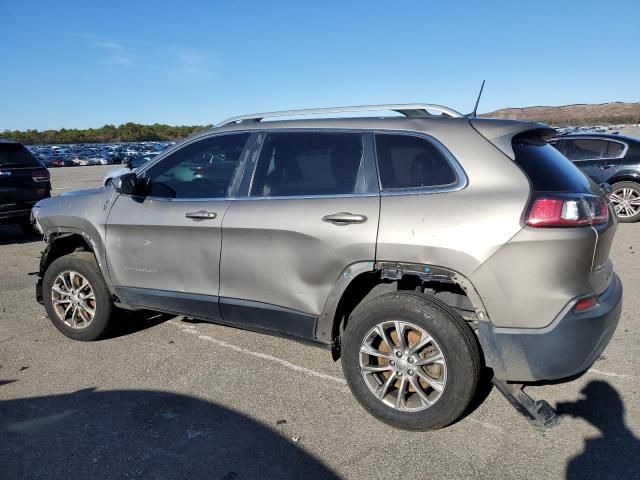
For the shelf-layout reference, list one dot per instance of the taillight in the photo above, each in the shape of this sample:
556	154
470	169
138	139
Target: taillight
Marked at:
585	304
567	211
41	175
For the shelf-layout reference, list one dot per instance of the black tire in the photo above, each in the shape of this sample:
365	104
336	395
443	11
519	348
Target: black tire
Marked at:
108	182
86	265
454	337
634	186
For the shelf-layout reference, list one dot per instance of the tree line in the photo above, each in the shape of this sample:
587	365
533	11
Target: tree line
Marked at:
128	132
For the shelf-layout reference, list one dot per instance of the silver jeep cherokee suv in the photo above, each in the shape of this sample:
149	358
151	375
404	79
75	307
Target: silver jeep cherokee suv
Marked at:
419	248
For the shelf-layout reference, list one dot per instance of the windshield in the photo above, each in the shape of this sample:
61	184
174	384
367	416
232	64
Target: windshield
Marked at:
16	155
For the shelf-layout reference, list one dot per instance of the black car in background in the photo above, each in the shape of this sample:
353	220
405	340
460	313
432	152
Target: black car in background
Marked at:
608	158
24	180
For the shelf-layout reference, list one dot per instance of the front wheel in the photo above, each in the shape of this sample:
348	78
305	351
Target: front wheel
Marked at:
76	297
625	197
411	361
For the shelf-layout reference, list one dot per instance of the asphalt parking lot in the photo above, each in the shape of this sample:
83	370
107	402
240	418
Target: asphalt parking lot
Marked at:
169	398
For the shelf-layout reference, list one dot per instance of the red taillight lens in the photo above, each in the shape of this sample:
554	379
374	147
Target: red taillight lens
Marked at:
568	211
585	304
40	175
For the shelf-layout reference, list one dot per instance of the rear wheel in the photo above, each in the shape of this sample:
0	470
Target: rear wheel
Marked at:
411	361
76	297
625	197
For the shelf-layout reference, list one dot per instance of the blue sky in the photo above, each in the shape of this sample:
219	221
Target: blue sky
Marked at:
85	64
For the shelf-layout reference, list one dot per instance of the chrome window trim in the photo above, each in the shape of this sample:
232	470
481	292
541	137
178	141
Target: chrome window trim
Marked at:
601	139
169	200
309	197
461	176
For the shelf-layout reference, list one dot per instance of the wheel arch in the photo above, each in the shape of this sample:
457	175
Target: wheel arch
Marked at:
364	281
64	242
624	177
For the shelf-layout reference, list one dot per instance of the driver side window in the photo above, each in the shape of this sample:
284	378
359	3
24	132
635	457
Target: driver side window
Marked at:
200	170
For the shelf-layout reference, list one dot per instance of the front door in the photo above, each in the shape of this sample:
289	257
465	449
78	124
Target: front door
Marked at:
163	245
308	215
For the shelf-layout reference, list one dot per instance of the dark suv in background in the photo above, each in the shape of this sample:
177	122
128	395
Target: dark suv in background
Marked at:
24	180
608	158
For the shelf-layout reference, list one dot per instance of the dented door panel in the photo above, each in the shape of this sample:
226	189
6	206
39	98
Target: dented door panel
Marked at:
280	251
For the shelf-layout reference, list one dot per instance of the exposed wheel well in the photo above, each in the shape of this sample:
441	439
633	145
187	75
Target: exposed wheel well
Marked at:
63	245
369	285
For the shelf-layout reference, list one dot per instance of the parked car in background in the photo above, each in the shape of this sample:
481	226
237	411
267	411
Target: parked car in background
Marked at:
23	181
608	158
130	166
417	250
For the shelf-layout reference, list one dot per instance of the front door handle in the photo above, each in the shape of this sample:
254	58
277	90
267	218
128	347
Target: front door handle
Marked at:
201	215
344	218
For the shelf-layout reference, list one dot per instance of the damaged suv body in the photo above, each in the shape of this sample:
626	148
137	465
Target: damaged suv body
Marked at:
417	248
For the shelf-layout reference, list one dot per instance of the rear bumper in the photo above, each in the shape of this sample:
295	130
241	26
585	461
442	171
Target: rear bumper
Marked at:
567	347
14	216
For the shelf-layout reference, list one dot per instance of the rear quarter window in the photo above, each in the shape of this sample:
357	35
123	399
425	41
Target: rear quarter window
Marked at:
407	161
548	170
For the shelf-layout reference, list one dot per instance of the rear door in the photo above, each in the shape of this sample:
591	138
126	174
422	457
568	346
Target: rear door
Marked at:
163	245
310	211
598	158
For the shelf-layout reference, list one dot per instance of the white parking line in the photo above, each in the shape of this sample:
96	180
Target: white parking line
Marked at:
62	188
264	356
608	374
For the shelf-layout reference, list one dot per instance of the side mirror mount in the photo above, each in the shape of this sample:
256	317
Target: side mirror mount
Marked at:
126	183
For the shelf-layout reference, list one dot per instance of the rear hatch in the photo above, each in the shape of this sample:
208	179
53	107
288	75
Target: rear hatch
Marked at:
562	196
581	203
23	179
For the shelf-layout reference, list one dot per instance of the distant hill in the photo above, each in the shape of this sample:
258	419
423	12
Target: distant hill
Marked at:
578	114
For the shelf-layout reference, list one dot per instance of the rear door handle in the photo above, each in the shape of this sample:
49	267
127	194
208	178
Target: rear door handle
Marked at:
344	218
201	215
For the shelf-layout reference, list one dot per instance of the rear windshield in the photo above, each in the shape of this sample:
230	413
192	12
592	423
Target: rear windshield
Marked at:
16	155
549	170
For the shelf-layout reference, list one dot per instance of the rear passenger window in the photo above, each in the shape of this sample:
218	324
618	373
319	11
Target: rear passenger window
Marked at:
307	163
406	161
584	149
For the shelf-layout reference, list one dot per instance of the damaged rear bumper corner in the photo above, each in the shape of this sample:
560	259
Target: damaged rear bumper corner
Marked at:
567	347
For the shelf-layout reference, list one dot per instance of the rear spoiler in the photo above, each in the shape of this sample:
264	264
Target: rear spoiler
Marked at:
501	132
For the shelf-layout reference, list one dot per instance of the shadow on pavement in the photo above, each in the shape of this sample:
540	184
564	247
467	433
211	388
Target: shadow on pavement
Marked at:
130	322
143	434
615	453
11	234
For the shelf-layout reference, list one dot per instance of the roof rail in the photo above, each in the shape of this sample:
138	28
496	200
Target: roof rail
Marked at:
408	110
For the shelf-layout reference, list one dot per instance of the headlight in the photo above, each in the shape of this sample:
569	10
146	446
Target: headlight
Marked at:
35	218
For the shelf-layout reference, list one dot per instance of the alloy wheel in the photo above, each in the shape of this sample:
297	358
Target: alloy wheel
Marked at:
403	366
626	202
73	299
